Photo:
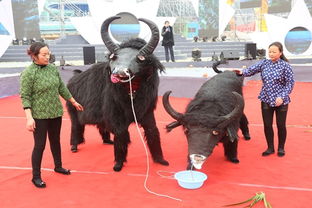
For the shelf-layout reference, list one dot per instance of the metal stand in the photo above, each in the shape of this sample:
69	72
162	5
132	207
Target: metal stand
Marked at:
62	19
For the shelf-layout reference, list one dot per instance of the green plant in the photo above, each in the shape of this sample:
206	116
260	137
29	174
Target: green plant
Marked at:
260	196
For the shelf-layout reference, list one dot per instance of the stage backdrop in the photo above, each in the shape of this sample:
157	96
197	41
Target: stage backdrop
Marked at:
209	18
26	19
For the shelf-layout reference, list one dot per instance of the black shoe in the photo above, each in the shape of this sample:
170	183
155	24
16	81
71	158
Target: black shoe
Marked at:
281	152
62	171
74	148
38	183
267	152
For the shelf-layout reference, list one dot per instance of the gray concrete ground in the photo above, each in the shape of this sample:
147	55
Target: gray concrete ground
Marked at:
182	78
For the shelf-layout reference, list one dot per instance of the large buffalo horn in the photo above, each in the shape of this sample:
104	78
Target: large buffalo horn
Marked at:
174	114
227	119
152	43
111	46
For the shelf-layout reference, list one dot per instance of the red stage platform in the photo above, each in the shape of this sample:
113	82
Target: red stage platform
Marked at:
286	181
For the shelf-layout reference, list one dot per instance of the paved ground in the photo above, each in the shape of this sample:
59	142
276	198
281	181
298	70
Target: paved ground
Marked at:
183	78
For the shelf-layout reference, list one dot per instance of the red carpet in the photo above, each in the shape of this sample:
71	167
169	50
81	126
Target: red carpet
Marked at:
287	181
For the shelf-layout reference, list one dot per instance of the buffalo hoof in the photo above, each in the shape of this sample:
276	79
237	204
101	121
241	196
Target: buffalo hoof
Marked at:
74	148
118	166
247	136
108	141
162	162
233	160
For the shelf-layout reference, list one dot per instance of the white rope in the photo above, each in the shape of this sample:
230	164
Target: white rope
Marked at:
146	152
169	174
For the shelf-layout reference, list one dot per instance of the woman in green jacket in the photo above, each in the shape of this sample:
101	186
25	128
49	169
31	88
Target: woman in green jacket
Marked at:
41	86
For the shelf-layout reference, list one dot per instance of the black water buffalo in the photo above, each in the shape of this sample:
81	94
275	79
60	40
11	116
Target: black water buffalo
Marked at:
212	116
105	92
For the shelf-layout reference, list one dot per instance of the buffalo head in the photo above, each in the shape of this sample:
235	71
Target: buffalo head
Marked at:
205	124
132	57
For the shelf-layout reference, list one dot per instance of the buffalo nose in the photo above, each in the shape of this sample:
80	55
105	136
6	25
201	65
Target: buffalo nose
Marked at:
126	71
121	71
197	160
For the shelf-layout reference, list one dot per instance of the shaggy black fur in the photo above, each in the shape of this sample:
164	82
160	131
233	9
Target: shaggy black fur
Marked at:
205	112
213	100
108	106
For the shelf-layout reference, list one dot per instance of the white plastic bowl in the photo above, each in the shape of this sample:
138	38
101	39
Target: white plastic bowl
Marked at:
190	179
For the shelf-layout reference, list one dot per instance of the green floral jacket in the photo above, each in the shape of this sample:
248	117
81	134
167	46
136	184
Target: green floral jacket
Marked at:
40	90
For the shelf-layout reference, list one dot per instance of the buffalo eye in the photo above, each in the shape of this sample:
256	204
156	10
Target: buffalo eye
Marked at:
141	58
112	56
186	131
215	132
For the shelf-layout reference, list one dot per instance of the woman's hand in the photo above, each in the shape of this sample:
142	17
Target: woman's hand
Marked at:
77	106
279	101
238	71
30	124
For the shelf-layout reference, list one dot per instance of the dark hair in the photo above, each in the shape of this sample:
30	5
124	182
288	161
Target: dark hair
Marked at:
167	22
34	49
280	48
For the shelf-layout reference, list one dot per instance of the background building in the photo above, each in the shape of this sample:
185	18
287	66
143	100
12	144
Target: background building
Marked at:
258	21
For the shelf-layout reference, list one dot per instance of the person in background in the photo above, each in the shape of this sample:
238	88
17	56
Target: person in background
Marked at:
40	88
277	84
168	41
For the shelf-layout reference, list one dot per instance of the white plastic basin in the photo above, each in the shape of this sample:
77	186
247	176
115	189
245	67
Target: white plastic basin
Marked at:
190	179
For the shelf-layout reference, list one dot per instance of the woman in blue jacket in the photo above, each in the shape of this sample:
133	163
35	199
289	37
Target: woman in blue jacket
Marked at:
277	83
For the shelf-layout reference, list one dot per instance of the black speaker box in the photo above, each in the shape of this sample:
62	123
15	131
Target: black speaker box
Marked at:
88	55
251	50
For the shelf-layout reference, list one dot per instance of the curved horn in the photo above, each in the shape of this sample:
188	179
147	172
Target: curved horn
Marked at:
111	46
152	44
214	67
227	119
174	114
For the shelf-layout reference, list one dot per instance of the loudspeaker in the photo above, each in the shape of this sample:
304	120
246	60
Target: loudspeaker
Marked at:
88	55
261	53
231	55
251	50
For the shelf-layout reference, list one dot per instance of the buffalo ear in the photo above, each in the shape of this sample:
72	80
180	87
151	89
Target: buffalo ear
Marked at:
232	133
172	125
